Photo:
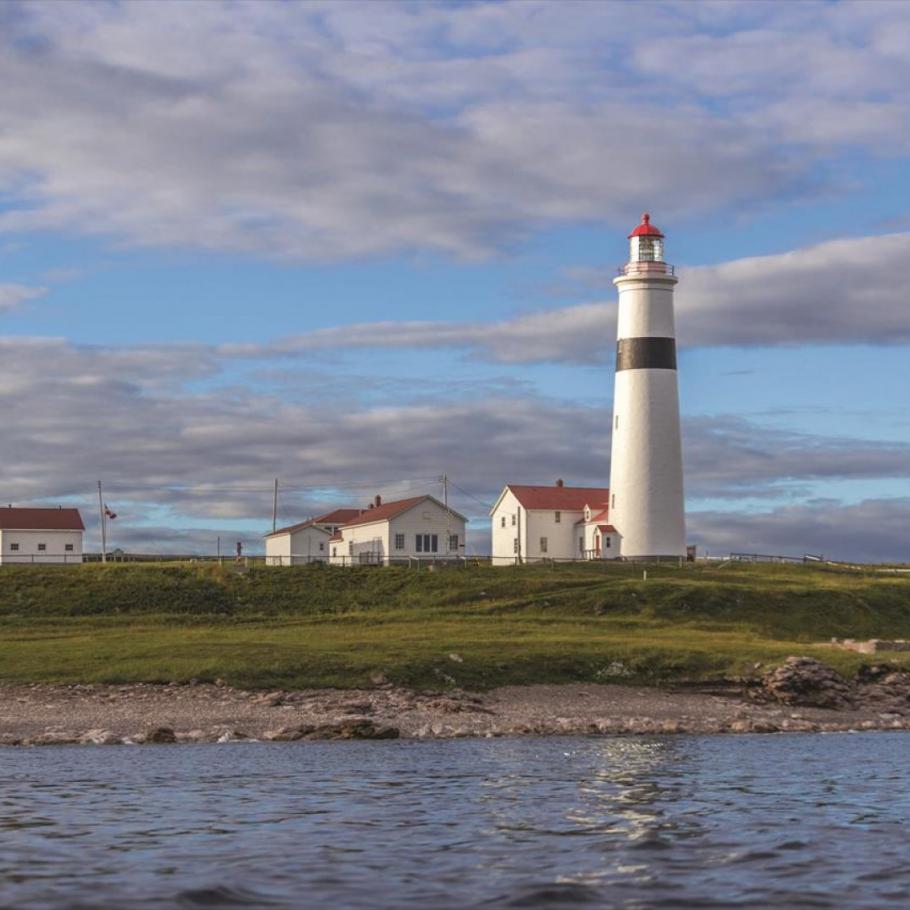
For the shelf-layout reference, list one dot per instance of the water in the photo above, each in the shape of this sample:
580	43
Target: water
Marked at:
676	822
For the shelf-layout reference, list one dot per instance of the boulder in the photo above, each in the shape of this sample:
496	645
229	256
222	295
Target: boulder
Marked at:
807	681
100	738
160	735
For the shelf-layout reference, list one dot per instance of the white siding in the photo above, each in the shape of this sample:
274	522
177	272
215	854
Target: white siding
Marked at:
375	542
562	536
55	543
427	518
503	538
297	548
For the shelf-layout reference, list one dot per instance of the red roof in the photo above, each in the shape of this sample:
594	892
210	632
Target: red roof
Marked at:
338	517
572	499
646	229
41	520
335	537
606	529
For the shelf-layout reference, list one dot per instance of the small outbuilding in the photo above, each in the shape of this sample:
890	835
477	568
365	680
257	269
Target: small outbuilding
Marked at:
307	541
40	535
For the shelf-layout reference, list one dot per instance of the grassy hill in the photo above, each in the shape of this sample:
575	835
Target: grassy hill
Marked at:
475	626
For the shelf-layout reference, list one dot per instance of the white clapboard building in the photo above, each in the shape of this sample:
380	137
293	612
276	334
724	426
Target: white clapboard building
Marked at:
419	528
534	523
307	541
40	535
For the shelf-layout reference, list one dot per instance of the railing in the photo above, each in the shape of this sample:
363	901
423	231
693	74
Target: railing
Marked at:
645	267
764	557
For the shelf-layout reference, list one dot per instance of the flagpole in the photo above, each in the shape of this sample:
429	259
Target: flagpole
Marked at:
103	524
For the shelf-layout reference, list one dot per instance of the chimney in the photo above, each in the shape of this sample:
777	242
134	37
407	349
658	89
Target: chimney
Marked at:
371	505
377	501
559	482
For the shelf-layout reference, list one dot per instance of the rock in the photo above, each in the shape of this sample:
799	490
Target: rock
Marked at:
270	699
160	735
356	707
289	734
807	681
354	728
53	739
456	658
100	738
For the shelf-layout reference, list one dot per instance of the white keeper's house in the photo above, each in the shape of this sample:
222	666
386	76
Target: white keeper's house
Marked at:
532	523
40	535
307	541
419	528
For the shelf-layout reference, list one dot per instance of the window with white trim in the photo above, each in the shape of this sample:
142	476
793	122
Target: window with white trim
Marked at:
350	548
42	547
14	546
515	545
543	543
503	524
607	541
557	517
453	543
68	547
514	520
427	543
399	541
322	546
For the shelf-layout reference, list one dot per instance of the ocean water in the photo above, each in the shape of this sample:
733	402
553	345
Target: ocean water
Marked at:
677	822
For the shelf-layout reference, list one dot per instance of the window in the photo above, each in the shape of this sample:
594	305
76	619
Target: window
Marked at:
42	547
503	521
607	541
399	541
581	544
68	547
557	517
427	543
334	551
350	548
543	543
321	546
515	545
453	542
14	546
514	520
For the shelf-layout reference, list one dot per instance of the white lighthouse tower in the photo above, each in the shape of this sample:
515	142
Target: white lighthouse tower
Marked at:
646	480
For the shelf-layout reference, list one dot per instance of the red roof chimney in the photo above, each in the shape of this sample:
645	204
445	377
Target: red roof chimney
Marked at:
377	501
559	482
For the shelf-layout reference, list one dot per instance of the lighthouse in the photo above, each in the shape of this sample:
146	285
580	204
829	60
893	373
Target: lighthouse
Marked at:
646	479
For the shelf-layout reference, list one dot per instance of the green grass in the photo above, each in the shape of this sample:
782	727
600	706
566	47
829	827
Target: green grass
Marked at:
322	626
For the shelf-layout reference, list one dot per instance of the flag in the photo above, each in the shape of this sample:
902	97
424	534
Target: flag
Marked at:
108	513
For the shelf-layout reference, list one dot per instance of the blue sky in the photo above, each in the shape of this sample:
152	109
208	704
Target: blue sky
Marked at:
357	245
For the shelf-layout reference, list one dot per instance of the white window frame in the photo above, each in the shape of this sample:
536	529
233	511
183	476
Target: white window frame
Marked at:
399	541
543	544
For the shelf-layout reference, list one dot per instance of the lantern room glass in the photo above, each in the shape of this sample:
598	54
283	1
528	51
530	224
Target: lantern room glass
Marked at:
647	249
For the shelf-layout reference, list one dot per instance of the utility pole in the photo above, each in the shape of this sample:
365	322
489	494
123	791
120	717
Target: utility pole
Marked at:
103	523
275	508
218	547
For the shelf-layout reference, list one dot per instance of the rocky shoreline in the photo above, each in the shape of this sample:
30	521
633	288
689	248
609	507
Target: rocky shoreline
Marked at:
803	695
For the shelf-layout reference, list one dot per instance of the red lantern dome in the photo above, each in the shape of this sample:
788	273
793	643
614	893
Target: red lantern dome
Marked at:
646	229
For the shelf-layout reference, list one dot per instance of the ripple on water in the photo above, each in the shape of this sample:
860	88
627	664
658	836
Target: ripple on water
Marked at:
687	822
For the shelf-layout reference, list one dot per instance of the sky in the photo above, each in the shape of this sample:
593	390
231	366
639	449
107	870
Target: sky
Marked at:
359	245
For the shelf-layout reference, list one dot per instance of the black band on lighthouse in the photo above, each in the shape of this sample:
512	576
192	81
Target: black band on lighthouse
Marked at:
646	354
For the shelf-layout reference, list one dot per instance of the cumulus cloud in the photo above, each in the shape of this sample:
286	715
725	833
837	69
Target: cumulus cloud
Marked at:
13	295
173	456
321	131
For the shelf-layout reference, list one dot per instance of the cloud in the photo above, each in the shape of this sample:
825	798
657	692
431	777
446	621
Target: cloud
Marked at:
13	295
871	531
178	455
314	131
838	292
